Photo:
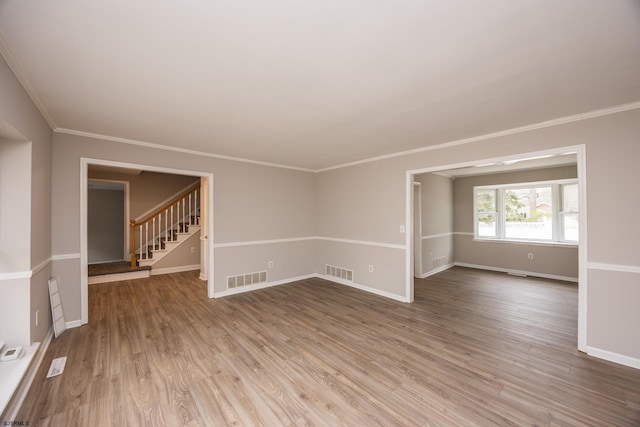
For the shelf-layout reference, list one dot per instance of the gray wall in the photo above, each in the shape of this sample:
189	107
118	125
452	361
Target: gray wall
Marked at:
437	220
612	152
181	256
147	189
549	259
105	225
252	204
24	274
357	211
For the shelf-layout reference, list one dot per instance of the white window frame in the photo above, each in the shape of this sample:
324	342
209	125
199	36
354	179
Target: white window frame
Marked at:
556	217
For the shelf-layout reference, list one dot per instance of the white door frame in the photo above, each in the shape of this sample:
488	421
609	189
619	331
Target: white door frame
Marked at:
84	181
417	232
580	151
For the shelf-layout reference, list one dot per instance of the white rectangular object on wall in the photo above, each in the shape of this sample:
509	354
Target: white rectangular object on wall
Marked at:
57	312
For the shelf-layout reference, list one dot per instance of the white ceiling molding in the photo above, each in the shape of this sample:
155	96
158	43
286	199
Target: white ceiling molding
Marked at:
521	129
176	149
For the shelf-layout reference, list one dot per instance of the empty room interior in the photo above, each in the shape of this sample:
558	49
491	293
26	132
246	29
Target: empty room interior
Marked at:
320	213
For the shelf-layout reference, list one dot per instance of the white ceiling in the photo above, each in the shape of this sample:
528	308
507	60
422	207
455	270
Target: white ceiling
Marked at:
313	84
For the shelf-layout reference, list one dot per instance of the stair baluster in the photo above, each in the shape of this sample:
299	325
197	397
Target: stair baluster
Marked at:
175	221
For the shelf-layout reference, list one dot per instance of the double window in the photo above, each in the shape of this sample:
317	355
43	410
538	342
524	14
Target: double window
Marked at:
538	212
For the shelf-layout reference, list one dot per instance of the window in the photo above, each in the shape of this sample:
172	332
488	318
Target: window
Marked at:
539	212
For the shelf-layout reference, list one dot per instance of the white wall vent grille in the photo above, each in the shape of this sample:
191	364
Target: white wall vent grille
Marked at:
246	279
339	272
439	262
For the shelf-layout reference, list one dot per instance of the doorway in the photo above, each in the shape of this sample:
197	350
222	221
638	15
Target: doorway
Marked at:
107	221
206	220
580	154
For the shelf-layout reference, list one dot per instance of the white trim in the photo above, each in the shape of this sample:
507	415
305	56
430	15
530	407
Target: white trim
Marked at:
409	262
517	272
255	287
300	239
581	163
363	287
174	149
613	357
178	269
550	244
248	288
26	274
613	267
437	270
118	277
38	268
416	228
435	236
364	242
15	275
65	256
166	201
20	393
261	242
463	233
73	324
512	131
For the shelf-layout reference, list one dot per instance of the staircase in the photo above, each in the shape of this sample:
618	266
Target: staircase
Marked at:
164	230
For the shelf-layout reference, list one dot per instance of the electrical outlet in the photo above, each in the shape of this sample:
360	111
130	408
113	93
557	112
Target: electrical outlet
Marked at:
371	269
37	317
530	255
270	264
193	249
402	229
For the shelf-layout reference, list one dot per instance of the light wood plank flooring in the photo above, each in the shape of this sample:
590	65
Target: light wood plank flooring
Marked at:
476	348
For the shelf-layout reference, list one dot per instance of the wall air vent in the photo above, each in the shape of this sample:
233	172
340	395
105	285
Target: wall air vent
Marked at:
246	279
439	262
339	272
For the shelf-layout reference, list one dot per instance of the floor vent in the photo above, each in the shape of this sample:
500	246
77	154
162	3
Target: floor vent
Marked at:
246	279
339	272
439	262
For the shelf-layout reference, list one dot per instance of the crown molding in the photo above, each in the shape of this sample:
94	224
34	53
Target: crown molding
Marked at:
5	52
541	125
175	149
513	131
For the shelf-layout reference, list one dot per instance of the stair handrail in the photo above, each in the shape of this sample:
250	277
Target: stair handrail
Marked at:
193	190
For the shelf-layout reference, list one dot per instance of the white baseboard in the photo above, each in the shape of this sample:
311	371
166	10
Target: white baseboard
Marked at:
15	403
202	277
257	286
365	288
518	272
73	324
106	278
179	269
613	357
437	270
250	288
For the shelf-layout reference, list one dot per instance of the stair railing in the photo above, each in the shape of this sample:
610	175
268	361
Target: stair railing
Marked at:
163	225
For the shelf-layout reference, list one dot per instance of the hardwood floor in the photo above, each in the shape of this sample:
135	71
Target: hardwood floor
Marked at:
476	348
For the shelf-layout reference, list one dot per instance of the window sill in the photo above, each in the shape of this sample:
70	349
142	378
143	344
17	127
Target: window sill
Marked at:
528	242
